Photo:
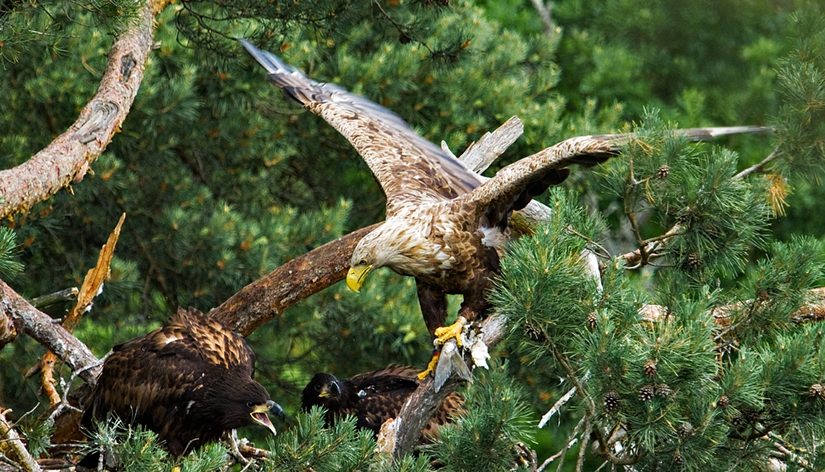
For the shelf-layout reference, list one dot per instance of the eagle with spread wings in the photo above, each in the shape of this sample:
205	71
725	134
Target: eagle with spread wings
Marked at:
375	397
445	225
189	381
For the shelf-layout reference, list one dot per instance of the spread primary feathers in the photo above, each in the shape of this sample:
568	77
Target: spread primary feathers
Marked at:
189	381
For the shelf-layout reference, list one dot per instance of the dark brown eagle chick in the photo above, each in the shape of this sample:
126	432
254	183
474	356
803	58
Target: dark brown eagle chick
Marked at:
374	397
189	381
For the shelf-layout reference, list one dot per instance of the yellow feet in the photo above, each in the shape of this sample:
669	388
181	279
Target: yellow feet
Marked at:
430	367
444	334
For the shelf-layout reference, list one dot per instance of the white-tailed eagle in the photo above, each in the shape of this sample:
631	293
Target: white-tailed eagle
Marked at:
444	225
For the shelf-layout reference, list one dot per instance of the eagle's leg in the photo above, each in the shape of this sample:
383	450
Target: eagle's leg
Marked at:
453	331
433	303
474	306
234	450
430	365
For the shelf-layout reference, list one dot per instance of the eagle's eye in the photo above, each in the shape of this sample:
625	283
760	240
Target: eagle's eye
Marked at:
317	387
362	262
250	404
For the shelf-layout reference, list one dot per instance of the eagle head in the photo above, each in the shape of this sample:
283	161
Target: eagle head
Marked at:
246	403
325	390
395	244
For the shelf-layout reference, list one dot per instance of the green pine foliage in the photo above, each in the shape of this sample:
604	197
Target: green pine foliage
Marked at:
222	180
10	265
682	388
495	421
309	445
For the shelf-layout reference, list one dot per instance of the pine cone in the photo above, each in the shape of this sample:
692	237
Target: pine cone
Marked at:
677	458
533	333
723	402
663	390
650	368
646	393
663	171
591	321
692	262
817	390
685	430
611	401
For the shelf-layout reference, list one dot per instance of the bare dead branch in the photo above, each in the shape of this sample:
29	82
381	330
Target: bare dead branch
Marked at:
13	447
69	156
399	436
544	14
50	299
92	286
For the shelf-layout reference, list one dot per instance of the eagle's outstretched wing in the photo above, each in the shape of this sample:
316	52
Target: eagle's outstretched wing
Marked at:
410	169
510	189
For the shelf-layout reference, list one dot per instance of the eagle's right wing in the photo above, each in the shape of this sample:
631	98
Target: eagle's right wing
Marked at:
410	169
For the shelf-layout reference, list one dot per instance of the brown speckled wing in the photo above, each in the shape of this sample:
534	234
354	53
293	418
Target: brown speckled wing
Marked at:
410	169
190	333
511	188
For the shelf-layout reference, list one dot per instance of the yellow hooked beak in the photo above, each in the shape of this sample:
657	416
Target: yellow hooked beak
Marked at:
356	276
331	390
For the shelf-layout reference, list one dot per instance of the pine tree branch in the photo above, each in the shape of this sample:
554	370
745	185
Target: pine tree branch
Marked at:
50	299
12	446
50	334
544	14
647	249
759	167
812	311
69	156
290	283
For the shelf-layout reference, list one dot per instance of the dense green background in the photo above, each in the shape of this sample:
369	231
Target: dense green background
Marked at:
223	179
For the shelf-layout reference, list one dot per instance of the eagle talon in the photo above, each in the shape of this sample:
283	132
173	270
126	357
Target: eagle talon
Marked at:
430	367
454	331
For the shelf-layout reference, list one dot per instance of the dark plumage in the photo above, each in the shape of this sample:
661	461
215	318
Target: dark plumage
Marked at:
374	397
189	381
445	225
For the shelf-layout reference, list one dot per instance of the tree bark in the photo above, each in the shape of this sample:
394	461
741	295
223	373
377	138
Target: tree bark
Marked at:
12	446
290	283
68	157
44	330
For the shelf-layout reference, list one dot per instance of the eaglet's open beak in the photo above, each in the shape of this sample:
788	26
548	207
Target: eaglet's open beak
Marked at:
259	415
356	276
332	390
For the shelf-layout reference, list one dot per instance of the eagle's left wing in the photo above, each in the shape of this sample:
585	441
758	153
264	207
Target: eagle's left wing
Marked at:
514	185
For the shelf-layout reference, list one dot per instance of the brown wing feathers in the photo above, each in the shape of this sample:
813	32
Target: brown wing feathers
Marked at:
374	397
406	165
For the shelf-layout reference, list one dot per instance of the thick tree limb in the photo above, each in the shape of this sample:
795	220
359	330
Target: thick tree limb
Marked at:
68	157
44	330
12	446
290	283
